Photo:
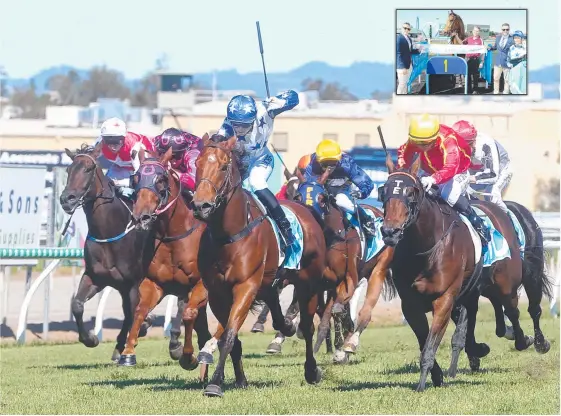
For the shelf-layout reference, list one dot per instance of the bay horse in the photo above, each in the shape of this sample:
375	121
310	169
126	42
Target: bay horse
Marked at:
435	268
160	208
346	261
239	259
455	28
115	253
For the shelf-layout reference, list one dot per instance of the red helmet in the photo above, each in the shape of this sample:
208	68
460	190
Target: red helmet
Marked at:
465	130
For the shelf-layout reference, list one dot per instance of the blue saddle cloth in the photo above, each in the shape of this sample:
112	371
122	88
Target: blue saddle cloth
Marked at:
497	249
519	232
374	243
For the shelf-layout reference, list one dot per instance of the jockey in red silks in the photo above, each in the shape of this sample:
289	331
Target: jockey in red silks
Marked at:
302	163
185	151
119	153
445	160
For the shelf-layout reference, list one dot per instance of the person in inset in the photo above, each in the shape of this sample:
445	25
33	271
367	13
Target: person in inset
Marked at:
474	60
516	61
404	62
502	45
119	153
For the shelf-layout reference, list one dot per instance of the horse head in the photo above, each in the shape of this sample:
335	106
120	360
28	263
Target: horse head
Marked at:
80	185
312	193
217	175
152	186
401	195
454	26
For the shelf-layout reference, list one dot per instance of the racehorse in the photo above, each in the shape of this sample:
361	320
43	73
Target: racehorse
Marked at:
239	259
436	268
115	254
455	28
346	261
160	207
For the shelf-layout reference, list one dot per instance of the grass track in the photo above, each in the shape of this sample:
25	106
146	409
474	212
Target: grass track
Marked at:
72	379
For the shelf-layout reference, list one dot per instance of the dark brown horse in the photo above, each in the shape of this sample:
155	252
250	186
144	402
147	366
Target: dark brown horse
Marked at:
435	268
160	207
346	261
239	259
115	254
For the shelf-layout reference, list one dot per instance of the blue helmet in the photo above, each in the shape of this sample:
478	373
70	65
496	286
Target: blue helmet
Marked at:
519	33
241	110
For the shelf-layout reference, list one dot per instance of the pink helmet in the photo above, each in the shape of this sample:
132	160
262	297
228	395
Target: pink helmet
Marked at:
465	130
176	139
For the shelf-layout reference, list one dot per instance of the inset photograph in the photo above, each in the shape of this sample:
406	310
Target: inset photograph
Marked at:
467	51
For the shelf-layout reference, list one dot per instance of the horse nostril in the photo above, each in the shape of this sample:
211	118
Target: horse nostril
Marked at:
145	218
71	198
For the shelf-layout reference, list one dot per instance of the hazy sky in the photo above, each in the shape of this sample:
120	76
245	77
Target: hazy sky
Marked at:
202	35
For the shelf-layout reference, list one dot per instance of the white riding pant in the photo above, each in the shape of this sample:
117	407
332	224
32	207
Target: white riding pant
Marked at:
496	189
259	172
119	174
454	188
344	202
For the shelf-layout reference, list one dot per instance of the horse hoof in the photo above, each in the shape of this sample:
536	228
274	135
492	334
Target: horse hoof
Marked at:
116	356
528	340
91	341
188	362
479	350
340	357
474	363
127	360
258	327
299	333
212	390
350	348
205	358
542	347
274	348
175	353
509	333
241	384
313	377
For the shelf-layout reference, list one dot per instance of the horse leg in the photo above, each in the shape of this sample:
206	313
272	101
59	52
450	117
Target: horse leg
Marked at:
417	320
150	295
320	311
175	346
474	350
86	291
325	323
275	347
521	341
442	310
259	325
375	285
339	357
533	288
308	301
130	300
243	296
236	356
459	316
500	326
197	299
203	336
280	322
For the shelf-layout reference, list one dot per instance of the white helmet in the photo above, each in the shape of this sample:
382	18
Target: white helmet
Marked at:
114	127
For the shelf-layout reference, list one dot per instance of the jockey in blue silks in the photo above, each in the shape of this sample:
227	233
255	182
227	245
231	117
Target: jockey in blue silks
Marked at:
252	123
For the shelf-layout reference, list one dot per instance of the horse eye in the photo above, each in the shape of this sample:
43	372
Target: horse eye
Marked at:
223	168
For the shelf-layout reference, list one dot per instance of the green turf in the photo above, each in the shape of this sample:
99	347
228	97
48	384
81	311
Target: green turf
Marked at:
72	379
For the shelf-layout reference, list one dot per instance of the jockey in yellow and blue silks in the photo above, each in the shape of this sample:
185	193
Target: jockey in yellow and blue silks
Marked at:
253	123
344	172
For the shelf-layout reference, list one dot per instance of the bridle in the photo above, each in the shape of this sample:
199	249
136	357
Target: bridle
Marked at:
222	191
94	172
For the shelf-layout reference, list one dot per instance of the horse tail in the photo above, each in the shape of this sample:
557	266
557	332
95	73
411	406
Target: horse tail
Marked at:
389	291
533	266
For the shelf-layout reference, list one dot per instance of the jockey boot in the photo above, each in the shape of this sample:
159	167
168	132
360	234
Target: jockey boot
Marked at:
366	221
466	209
277	214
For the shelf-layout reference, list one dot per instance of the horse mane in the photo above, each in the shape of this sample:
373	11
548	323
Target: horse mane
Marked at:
85	149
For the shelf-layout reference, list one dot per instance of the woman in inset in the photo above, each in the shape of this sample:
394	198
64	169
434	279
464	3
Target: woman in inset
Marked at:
516	61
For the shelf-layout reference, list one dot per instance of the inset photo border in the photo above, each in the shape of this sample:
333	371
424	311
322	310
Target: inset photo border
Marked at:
461	51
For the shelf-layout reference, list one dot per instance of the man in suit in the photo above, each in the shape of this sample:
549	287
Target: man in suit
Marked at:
404	51
502	45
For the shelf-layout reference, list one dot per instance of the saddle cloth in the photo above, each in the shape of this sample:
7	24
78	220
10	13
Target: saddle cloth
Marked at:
373	243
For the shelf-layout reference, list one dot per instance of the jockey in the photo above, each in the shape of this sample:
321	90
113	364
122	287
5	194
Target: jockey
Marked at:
446	157
302	163
252	123
489	162
344	171
185	151
119	153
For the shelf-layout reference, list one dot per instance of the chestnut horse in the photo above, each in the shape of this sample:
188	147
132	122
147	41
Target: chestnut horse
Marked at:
160	207
239	259
115	254
455	28
435	268
345	263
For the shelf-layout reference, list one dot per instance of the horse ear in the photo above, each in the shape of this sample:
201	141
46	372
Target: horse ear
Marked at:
142	155
70	153
415	166
231	142
389	164
166	157
300	176
205	138
97	151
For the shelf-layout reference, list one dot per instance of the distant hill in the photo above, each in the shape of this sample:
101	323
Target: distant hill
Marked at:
360	78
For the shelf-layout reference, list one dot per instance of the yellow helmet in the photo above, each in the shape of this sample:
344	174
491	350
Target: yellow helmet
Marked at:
423	129
328	151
